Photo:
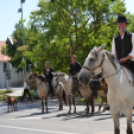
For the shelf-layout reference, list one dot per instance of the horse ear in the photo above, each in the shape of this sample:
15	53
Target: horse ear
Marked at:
102	47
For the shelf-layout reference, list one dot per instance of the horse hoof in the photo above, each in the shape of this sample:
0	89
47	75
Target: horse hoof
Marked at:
69	112
74	112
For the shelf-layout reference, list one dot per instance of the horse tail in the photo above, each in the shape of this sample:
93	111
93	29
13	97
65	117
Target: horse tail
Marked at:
65	99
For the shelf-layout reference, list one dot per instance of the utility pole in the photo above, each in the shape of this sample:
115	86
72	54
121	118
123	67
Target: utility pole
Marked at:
6	72
23	34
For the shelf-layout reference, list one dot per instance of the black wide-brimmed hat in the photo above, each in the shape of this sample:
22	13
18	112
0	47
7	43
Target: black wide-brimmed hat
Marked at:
122	19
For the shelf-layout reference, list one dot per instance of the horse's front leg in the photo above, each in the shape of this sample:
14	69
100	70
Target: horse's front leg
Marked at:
11	107
101	105
129	122
116	124
87	109
92	105
74	104
46	104
8	108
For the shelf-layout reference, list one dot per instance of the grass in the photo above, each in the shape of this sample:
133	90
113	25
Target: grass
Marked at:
5	92
98	100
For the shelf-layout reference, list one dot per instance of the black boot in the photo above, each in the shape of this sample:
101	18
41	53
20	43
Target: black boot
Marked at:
107	107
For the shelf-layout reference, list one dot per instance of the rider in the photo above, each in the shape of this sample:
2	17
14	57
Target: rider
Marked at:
48	75
75	67
123	44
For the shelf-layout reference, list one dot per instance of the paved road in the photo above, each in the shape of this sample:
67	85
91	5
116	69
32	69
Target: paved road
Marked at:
29	120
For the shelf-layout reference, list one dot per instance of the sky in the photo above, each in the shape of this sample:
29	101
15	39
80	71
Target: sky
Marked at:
9	15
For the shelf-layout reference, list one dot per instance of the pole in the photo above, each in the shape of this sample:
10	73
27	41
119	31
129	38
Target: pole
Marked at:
23	35
6	73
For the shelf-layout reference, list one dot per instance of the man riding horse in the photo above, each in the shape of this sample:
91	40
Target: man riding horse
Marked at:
123	45
48	75
75	67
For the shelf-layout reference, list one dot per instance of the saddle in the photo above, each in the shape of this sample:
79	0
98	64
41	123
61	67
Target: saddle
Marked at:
128	71
43	79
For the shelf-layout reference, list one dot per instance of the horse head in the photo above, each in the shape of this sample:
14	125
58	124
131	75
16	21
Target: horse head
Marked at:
92	65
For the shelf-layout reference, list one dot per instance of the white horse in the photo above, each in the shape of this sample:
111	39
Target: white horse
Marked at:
120	91
67	82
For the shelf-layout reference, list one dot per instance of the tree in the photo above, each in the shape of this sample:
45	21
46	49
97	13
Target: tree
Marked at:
68	27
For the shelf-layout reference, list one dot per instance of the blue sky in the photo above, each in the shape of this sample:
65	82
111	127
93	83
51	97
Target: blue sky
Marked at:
9	14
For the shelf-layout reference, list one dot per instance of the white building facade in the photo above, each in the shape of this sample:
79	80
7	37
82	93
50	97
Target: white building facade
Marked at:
16	79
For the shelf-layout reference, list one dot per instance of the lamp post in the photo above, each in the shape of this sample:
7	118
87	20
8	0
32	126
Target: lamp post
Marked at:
23	35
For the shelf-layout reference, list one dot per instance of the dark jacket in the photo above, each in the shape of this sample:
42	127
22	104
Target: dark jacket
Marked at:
123	47
75	68
48	74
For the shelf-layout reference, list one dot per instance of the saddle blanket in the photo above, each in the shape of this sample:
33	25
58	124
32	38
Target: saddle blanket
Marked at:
129	75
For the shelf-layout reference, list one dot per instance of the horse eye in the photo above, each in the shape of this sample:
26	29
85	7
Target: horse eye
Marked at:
92	59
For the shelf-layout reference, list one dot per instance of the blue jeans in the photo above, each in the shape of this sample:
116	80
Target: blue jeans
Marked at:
35	92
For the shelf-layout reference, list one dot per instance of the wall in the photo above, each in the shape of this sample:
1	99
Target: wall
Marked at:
16	78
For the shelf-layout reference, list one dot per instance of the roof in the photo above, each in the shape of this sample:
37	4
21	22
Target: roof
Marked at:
2	44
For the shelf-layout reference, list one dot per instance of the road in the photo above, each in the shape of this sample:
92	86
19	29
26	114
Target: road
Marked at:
30	120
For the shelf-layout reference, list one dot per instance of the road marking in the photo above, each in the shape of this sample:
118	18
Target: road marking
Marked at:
38	130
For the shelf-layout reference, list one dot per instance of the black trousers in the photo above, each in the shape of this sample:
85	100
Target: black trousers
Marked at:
95	85
50	86
26	91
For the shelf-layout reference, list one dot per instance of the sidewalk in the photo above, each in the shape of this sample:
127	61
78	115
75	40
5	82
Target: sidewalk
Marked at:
16	91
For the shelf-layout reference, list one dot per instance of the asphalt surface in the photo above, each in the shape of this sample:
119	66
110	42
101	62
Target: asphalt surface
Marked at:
29	120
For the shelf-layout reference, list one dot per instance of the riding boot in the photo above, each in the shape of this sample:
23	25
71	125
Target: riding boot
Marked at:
107	107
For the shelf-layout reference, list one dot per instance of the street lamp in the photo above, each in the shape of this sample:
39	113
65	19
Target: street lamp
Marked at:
23	40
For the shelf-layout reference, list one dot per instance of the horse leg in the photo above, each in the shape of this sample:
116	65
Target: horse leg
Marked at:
87	107
60	103
46	104
69	105
8	108
74	105
92	105
11	107
116	124
42	102
16	106
101	105
129	123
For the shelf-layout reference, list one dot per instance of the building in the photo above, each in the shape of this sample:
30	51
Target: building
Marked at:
16	79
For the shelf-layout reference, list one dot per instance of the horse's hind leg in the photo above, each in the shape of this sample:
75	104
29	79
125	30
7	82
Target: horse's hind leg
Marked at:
129	123
46	104
116	124
69	105
74	105
42	102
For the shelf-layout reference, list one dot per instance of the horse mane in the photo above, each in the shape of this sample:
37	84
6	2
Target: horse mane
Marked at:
110	57
42	78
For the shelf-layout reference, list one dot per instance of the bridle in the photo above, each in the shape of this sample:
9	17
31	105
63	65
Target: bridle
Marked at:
92	70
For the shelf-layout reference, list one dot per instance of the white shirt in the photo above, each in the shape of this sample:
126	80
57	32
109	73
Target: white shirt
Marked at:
26	85
113	46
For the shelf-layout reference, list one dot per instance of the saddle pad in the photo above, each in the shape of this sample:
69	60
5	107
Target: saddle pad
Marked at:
129	75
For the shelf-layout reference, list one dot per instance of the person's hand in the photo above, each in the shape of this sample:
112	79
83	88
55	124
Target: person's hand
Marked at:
47	70
123	60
